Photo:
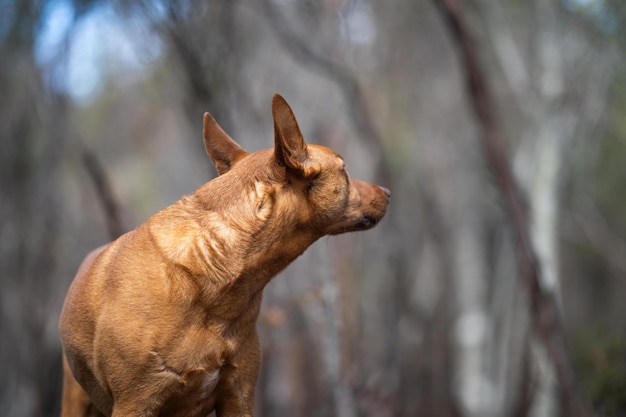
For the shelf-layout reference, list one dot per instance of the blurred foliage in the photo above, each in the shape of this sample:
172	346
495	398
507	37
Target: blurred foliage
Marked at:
610	192
401	287
600	357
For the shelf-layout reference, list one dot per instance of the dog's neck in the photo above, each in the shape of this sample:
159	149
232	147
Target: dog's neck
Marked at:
222	245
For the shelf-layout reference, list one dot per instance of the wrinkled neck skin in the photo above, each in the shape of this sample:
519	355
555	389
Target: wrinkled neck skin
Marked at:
223	236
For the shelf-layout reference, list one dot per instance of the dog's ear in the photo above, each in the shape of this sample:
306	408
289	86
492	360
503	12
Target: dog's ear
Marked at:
219	146
289	146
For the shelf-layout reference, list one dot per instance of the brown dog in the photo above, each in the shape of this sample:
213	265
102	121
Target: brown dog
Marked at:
162	322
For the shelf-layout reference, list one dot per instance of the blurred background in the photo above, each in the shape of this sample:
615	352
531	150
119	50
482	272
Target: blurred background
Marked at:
425	315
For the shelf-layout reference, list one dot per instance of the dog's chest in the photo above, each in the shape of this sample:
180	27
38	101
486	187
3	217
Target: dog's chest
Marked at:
195	397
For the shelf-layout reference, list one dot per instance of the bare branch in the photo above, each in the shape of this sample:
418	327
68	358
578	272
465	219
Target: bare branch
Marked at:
104	191
545	317
345	80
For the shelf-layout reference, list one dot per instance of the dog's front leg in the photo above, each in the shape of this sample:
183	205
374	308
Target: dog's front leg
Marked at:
239	380
75	401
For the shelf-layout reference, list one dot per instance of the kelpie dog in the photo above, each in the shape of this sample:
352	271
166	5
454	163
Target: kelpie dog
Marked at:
162	321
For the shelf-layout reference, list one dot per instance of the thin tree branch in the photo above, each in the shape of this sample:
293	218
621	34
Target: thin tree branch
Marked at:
297	46
103	188
544	311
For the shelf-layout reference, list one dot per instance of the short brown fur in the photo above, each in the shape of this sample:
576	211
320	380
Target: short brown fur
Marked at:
162	321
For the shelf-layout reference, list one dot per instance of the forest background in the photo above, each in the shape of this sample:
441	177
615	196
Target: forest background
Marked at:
433	312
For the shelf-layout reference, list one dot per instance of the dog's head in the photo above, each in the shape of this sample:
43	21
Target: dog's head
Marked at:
307	185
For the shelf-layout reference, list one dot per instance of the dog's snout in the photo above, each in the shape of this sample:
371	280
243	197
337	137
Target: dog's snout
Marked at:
386	191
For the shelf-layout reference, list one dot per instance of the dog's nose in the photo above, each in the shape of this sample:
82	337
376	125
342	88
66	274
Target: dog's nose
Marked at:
386	191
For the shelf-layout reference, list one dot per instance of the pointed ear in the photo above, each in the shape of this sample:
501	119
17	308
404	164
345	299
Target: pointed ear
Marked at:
219	146
289	147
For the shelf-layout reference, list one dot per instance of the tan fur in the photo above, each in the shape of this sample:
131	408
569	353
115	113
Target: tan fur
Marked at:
162	321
